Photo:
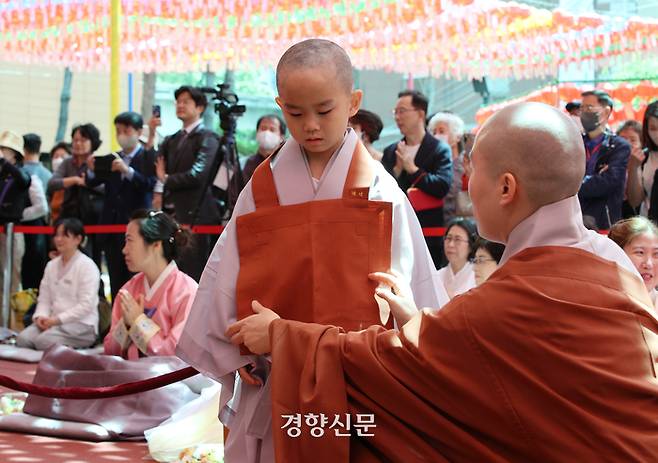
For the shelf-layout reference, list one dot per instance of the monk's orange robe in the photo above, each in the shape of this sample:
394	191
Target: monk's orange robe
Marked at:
550	360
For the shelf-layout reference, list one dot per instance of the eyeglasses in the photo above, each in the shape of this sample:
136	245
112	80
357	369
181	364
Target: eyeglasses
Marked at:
588	108
454	239
397	111
481	260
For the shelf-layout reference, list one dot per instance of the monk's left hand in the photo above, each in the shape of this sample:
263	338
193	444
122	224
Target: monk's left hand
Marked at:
254	330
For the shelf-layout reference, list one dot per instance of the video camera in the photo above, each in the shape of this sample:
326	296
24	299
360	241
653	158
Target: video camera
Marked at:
226	105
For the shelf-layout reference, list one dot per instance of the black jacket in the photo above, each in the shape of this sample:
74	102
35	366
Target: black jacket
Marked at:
122	196
434	159
189	163
601	194
14	185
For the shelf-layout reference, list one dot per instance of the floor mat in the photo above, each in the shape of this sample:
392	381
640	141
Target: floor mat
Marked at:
23	448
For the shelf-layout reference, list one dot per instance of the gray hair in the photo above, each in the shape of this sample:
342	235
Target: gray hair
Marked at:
454	122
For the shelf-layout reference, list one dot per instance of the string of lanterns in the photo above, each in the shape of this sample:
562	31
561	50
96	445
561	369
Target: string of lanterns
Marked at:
452	38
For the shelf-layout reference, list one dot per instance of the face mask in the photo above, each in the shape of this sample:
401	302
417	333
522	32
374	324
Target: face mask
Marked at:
653	134
443	137
56	163
127	142
590	121
267	140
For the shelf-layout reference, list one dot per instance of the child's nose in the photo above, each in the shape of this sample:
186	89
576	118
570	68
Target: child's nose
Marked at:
311	124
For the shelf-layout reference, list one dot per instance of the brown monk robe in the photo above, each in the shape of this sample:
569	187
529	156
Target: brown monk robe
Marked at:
552	359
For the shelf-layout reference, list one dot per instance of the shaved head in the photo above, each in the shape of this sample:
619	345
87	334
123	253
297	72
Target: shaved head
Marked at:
539	145
320	54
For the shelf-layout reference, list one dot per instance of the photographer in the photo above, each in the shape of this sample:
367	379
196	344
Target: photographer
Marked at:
129	178
184	163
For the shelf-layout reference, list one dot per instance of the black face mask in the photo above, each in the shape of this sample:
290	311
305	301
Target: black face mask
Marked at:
590	121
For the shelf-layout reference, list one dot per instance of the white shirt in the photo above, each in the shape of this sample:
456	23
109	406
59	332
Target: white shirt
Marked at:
456	283
70	292
39	207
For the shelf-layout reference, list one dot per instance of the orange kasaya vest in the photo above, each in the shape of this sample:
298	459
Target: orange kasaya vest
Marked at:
310	262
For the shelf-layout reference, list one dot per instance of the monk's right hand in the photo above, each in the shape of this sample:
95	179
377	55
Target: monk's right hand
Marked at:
248	377
398	295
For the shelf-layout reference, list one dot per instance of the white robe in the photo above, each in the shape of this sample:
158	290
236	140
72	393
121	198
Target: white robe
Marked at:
456	283
203	344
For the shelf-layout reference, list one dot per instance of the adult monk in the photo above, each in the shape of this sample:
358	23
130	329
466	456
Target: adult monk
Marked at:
552	359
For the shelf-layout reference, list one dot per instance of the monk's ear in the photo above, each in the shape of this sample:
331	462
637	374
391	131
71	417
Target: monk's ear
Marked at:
279	102
508	188
355	101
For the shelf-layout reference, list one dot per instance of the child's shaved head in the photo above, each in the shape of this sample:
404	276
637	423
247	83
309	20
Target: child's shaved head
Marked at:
317	53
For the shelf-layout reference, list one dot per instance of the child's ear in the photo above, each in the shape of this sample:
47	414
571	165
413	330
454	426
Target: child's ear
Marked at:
355	101
279	102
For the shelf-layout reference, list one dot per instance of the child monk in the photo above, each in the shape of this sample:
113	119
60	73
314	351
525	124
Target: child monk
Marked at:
314	221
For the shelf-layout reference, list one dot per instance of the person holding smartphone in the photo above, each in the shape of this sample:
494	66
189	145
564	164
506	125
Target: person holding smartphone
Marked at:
129	186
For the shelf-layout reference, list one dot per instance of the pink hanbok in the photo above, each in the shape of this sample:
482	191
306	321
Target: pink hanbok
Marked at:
166	307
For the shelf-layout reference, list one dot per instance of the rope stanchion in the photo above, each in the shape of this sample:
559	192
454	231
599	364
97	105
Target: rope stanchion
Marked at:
85	393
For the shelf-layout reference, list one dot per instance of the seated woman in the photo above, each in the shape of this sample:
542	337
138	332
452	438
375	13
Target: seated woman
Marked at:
150	311
458	244
67	307
638	237
486	260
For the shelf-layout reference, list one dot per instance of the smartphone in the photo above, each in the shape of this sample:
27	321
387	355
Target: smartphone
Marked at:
156	110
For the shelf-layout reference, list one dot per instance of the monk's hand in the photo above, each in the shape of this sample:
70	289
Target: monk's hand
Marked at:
398	295
254	330
131	308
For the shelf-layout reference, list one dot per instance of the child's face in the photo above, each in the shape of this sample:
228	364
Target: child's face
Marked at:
316	108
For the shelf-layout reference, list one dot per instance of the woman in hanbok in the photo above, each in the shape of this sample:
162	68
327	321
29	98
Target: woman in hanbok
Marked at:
638	237
459	246
151	309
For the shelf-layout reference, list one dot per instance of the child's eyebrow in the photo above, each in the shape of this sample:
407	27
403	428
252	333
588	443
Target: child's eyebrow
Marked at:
323	103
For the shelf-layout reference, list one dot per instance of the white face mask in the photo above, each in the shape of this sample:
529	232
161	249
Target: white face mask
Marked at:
268	140
443	137
57	162
653	134
127	142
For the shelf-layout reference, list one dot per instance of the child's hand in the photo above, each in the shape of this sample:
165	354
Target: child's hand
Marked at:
254	330
248	377
399	296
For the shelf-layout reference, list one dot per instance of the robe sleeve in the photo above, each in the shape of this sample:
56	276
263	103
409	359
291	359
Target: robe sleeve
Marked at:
45	299
202	343
110	346
164	342
409	254
416	382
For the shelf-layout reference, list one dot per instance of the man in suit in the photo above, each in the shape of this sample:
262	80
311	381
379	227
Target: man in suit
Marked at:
421	164
129	186
602	191
185	161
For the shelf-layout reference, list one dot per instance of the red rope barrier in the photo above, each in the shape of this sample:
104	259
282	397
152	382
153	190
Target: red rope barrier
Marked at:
197	229
99	392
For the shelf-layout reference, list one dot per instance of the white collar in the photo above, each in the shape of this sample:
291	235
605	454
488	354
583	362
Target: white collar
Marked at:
561	224
190	128
150	291
133	152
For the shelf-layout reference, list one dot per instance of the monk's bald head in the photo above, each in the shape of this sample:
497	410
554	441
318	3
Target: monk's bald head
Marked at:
539	145
320	54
